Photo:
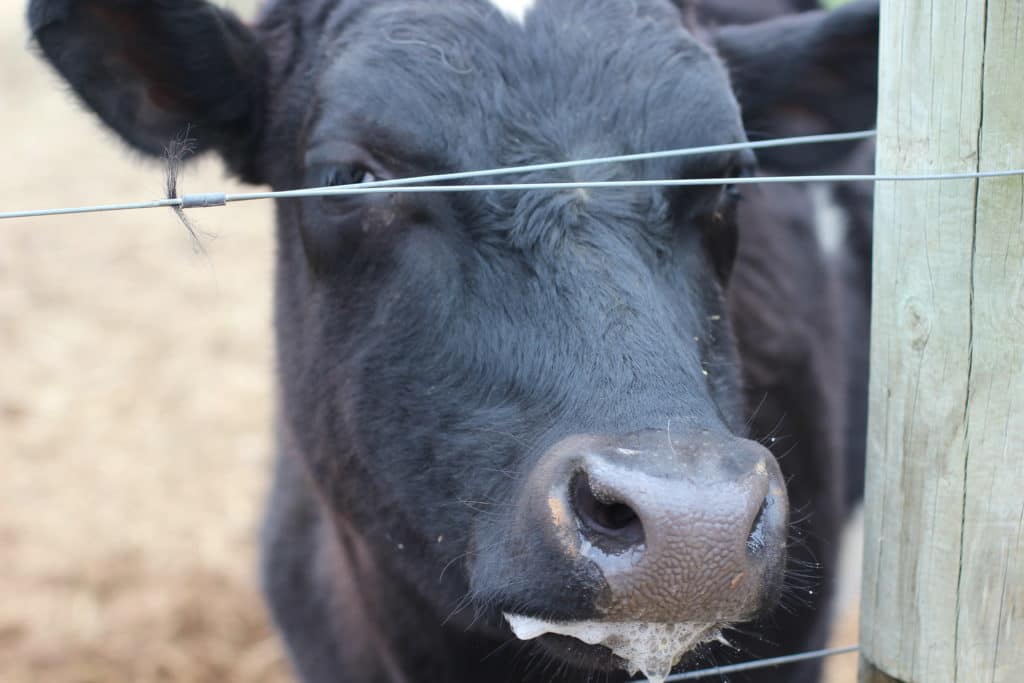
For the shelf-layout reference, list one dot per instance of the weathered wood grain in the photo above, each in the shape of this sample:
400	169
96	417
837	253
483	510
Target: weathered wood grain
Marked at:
943	592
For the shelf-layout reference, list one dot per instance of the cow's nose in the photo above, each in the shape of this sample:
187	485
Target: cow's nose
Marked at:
684	528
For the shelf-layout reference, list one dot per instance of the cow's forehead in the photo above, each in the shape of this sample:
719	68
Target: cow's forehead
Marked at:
557	77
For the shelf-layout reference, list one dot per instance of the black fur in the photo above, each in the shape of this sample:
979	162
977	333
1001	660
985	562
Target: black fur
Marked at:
160	70
819	81
431	347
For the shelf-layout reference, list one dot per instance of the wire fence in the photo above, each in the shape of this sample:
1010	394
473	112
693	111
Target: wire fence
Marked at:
419	184
759	664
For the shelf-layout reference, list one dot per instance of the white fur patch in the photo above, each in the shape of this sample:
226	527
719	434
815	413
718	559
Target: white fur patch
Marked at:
650	648
515	9
830	220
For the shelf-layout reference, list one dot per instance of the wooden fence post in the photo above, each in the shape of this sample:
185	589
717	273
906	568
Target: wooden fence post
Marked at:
943	593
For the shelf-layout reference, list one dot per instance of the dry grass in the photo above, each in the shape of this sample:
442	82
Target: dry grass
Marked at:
134	411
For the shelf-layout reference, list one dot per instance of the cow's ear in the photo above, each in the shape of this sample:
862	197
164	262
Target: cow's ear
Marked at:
803	74
157	70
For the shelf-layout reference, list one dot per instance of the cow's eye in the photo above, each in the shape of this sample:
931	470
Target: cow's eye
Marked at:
333	226
731	197
721	234
331	175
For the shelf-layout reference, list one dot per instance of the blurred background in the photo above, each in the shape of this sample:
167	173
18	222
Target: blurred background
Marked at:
135	410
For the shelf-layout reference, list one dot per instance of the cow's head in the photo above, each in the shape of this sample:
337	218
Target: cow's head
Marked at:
536	389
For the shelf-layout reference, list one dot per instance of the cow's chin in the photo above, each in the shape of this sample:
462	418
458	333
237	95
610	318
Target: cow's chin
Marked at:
578	654
637	647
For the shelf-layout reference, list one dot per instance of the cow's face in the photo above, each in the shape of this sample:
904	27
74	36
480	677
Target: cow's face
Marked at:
527	403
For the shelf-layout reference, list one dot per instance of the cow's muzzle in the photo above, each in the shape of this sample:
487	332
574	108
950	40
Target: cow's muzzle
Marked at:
687	529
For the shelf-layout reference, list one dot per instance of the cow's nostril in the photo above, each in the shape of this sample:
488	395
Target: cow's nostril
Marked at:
757	539
610	525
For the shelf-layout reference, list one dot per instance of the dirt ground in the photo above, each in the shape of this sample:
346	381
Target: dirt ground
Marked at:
135	399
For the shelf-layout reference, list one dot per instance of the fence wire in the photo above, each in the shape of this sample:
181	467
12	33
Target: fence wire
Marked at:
202	200
413	184
758	664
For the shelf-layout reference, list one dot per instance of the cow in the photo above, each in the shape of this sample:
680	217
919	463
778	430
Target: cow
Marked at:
527	435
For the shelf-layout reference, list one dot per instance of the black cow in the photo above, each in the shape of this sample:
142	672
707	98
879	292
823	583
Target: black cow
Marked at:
553	413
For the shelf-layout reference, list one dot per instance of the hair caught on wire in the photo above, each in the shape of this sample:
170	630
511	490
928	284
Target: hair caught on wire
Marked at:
177	151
